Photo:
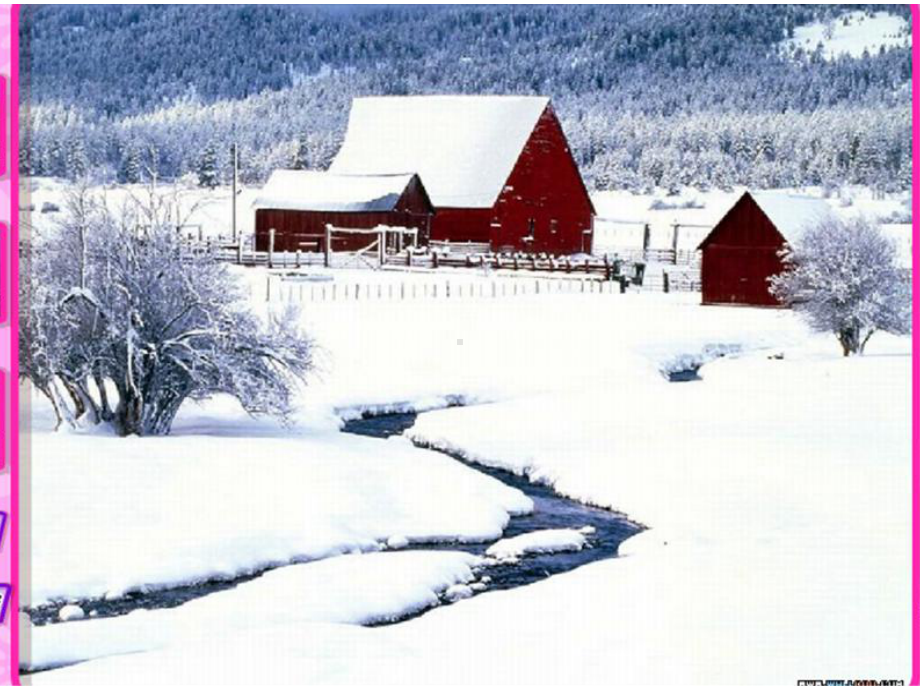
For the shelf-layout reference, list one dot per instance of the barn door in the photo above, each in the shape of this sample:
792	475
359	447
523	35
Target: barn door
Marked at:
739	275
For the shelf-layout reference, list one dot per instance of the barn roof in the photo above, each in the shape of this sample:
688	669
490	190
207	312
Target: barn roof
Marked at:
792	214
463	147
311	190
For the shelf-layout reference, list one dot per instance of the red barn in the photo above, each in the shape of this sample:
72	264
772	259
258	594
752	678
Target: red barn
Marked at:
498	168
298	204
741	251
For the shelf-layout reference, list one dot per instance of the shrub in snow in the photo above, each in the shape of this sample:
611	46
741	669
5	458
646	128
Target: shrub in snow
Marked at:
844	278
122	324
49	207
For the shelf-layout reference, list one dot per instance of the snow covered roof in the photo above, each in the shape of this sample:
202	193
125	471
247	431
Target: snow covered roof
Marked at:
463	147
310	190
792	214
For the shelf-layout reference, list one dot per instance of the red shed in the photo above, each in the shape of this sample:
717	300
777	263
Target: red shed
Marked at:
498	168
299	203
742	250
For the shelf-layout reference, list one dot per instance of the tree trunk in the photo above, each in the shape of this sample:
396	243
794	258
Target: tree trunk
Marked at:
129	414
849	340
105	409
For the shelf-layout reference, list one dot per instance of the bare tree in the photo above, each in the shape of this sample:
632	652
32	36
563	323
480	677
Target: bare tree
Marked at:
844	277
140	323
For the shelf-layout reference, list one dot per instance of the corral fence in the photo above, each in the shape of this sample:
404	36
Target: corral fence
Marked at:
626	269
633	240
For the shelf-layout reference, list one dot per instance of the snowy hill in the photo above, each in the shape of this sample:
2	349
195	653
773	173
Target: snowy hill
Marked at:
853	34
647	95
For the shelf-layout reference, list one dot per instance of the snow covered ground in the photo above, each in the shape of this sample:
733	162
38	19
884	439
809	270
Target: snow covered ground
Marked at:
542	541
197	505
852	33
776	490
356	589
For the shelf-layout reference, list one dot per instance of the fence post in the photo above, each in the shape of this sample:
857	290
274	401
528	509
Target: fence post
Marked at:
297	259
667	282
239	252
268	288
646	240
271	246
674	241
327	247
408	258
434	259
622	280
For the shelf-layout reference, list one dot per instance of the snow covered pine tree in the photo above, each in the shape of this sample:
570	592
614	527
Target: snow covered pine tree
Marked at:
844	277
141	318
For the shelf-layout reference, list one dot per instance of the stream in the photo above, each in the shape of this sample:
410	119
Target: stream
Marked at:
551	511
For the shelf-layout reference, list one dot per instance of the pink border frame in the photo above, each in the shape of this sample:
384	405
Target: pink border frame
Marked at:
13	314
915	188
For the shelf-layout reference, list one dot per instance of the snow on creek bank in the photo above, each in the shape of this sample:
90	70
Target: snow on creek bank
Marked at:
556	536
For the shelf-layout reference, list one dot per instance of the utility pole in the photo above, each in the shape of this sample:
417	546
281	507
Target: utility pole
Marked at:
236	165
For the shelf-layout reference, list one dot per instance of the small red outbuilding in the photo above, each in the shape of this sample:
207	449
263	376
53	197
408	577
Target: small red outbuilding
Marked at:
298	204
498	168
742	250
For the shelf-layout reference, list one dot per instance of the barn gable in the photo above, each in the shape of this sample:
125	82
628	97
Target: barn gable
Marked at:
767	219
544	205
743	250
463	147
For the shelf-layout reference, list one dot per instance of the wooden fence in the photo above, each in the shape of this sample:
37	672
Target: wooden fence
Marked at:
280	289
621	271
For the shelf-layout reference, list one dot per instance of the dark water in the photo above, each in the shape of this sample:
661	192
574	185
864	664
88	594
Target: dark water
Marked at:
691	374
551	511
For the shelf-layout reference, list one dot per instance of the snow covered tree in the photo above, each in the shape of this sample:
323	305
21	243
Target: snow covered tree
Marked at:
844	277
77	160
129	170
208	175
301	157
122	324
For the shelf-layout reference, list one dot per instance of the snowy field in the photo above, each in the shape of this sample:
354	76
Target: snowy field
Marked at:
852	33
776	491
